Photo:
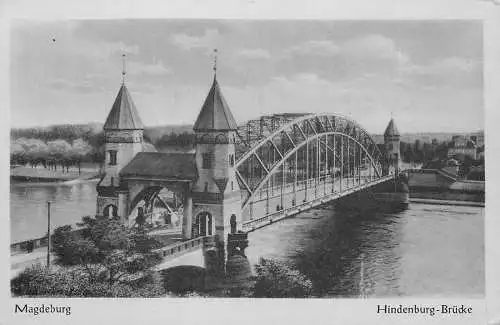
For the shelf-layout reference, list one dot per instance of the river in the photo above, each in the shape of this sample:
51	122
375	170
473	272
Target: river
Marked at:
28	206
426	250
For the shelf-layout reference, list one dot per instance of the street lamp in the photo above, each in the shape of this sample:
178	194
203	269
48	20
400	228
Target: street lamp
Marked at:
48	234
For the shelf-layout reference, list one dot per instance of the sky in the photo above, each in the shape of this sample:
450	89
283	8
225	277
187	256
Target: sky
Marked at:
426	74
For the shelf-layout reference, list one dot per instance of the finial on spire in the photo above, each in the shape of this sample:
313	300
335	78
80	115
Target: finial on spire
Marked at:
124	67
215	62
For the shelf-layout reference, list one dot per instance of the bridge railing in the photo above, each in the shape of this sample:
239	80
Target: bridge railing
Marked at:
185	246
256	223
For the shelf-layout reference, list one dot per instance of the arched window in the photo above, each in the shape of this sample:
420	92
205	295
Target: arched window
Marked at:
110	211
203	225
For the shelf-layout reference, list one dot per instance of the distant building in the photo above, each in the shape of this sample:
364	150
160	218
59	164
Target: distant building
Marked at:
392	146
478	138
462	146
418	145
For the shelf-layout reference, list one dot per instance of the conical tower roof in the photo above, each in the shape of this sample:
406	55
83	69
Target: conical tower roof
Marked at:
215	114
123	114
391	129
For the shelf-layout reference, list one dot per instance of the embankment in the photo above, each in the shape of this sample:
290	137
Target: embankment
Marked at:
27	174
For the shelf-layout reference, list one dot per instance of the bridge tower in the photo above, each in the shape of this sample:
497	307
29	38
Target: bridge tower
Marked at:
216	193
392	147
123	132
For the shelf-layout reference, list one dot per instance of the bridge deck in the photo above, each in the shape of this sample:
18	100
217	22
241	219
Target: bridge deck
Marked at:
327	192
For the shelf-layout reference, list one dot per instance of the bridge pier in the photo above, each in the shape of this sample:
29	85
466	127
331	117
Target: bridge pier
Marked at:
123	206
187	221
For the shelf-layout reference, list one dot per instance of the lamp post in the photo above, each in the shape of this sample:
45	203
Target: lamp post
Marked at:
48	234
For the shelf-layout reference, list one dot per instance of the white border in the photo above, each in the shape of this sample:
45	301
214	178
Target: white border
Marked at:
244	311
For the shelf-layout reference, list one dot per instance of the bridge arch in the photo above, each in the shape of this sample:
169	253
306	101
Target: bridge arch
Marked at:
278	142
145	194
148	197
110	210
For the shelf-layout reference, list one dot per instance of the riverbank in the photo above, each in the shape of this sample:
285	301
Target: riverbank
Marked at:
40	174
445	195
448	202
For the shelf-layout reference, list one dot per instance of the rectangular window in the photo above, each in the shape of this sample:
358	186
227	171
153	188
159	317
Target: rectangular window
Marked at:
207	160
112	157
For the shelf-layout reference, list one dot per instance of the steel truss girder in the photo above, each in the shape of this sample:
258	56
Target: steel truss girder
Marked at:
339	120
278	165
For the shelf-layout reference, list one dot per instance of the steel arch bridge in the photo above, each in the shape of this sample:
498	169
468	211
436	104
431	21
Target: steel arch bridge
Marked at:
287	161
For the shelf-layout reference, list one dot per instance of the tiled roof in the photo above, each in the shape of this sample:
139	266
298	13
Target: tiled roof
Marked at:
171	166
215	114
148	147
391	129
123	114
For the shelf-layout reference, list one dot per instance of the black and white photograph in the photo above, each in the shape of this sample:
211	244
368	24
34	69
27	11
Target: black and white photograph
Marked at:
211	158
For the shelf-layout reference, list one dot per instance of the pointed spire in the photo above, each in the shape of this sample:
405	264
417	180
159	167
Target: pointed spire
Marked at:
391	129
123	114
124	67
215	63
215	114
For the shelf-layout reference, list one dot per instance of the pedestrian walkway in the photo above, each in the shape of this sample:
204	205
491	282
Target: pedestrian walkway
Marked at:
21	260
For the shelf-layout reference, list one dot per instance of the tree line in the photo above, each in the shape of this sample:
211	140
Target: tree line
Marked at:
55	154
64	146
423	152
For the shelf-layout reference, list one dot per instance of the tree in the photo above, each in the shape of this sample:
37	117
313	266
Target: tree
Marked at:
79	150
58	149
106	248
17	153
33	150
275	279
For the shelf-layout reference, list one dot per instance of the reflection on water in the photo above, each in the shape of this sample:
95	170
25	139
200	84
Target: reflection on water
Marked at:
28	206
423	251
426	250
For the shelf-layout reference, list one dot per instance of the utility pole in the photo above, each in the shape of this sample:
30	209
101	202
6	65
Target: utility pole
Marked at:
48	234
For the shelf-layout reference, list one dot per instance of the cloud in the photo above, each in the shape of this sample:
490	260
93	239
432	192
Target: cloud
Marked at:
374	47
447	66
140	68
253	54
61	84
366	48
301	81
187	42
315	48
98	49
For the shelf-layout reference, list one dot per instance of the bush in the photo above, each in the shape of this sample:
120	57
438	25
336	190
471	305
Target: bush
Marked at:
105	252
275	279
65	282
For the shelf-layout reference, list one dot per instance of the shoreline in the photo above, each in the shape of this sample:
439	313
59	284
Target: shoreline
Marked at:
30	179
447	202
41	175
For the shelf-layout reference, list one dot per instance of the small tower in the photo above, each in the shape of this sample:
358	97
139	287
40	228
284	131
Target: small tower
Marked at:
216	193
392	147
123	132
